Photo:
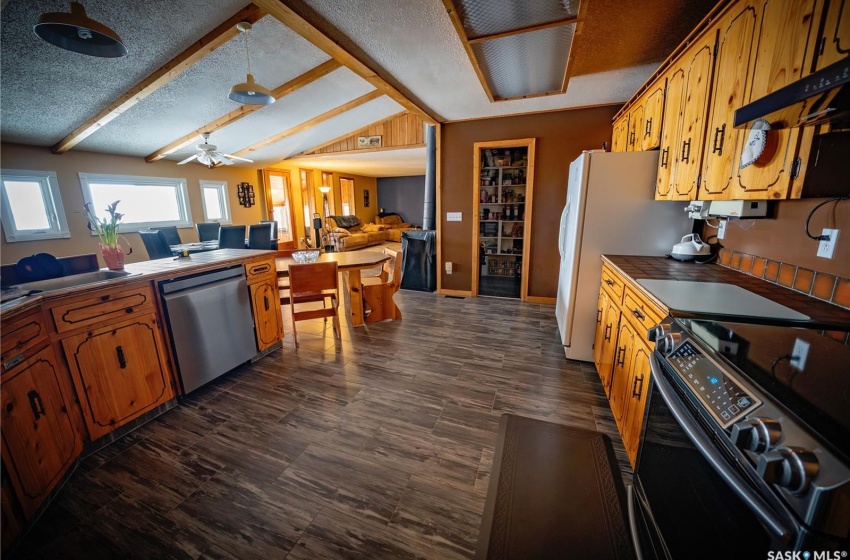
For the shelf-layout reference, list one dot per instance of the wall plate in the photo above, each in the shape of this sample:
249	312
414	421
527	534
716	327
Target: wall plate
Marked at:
827	248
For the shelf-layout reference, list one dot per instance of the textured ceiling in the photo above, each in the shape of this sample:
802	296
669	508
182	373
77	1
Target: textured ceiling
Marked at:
45	92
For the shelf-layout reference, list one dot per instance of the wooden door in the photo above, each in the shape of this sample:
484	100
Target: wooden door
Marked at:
783	55
637	392
636	128
731	71
599	338
671	128
119	371
267	319
610	324
619	397
620	133
697	63
835	43
39	440
278	187
652	114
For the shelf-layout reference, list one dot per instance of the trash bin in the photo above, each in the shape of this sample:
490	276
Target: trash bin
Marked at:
419	261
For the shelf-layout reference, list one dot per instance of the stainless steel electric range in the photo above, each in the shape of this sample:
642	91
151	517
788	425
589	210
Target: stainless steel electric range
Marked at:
746	444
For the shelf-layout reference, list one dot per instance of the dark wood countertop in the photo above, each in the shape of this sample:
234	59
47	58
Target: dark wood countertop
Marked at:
823	314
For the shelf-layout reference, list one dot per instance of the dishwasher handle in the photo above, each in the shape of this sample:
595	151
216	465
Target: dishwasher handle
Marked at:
172	286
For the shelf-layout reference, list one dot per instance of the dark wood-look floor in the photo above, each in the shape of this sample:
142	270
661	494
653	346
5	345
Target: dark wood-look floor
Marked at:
378	446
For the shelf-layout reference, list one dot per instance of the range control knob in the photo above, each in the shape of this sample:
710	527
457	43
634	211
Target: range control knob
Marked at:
789	467
658	331
667	343
756	434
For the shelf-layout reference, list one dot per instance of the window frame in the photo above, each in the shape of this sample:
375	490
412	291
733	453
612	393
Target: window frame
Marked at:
179	184
53	208
223	200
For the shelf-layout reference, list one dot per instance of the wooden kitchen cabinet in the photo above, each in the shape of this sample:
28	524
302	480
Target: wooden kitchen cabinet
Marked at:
268	323
762	46
620	374
607	324
620	134
120	371
637	388
835	42
653	110
40	442
635	138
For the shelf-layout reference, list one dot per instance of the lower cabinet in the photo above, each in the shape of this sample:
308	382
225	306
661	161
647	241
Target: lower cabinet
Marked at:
120	372
268	323
607	323
39	439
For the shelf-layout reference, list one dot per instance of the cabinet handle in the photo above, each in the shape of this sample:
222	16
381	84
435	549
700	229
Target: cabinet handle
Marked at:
609	281
266	302
719	139
648	129
13	361
637	387
665	155
621	355
608	331
36	403
686	151
638	314
122	360
598	316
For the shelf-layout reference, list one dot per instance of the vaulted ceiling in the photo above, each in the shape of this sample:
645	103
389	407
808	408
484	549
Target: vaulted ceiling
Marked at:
338	67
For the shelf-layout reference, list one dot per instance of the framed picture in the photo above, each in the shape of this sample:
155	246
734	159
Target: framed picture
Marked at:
366	199
368	141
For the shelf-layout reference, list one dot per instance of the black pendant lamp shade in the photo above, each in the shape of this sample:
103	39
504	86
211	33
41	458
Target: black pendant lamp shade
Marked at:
76	32
249	92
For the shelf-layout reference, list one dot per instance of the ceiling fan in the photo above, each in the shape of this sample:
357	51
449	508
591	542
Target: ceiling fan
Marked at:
209	156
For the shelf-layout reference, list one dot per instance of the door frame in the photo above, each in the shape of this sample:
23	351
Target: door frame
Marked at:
293	244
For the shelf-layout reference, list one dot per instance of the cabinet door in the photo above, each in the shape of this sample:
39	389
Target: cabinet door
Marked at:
39	440
652	115
619	397
783	55
671	128
835	43
731	72
610	324
620	134
636	128
638	389
120	372
599	338
267	319
697	63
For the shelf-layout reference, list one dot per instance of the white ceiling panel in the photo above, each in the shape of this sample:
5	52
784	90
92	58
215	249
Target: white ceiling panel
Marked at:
395	163
199	95
48	92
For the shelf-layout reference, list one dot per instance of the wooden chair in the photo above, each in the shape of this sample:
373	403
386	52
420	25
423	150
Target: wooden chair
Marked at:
309	283
378	291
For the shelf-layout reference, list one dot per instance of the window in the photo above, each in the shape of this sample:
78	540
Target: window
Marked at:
346	188
278	196
145	201
32	206
216	203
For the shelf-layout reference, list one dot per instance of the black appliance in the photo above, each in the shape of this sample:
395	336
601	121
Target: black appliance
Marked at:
745	450
419	260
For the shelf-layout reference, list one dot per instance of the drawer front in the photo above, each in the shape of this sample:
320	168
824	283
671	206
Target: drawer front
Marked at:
103	306
19	336
259	270
641	313
612	282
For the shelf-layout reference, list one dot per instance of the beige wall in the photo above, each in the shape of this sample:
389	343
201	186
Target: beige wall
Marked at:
68	165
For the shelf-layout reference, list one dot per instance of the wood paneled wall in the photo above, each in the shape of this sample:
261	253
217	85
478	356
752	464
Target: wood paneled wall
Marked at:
400	131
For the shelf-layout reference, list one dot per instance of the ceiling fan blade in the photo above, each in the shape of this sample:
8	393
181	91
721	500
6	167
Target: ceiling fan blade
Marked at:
239	158
188	159
225	161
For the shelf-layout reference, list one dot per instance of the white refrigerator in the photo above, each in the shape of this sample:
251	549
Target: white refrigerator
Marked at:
610	210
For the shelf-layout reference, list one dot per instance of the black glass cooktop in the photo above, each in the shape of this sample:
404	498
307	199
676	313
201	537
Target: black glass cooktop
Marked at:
805	370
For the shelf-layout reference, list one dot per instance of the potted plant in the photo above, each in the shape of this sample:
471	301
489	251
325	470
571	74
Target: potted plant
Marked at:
107	234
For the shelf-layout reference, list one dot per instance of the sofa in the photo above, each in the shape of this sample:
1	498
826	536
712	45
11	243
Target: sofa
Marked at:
346	233
394	224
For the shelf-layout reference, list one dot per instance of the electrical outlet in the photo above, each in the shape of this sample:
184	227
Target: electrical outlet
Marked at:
721	229
827	248
799	355
448	268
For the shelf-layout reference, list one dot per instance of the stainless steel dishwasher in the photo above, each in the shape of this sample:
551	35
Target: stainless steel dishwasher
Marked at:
210	322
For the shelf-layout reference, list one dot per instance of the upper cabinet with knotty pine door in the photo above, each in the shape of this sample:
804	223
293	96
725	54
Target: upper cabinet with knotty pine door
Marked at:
835	42
639	128
763	45
620	134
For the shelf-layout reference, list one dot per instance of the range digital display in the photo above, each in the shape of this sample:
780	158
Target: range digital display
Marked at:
719	392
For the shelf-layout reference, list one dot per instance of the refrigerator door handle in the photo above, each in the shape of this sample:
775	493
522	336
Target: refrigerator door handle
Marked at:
561	232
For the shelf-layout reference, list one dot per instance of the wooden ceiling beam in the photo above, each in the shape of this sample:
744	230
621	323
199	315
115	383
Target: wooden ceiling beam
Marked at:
306	125
529	29
294	21
177	65
244	110
454	16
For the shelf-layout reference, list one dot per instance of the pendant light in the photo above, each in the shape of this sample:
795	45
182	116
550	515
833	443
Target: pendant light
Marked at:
249	92
76	32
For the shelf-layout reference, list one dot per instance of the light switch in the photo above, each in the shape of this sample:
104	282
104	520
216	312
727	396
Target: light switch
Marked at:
454	216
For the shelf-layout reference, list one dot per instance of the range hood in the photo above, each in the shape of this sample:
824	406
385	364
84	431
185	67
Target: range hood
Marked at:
821	97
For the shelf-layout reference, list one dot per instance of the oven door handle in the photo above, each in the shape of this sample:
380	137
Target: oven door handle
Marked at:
755	502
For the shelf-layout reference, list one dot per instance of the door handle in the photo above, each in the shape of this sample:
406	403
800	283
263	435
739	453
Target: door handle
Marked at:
686	151
638	314
266	302
609	281
632	138
36	404
607	334
122	360
598	316
719	139
621	356
665	155
648	128
637	387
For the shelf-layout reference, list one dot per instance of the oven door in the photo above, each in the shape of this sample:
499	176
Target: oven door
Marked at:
690	499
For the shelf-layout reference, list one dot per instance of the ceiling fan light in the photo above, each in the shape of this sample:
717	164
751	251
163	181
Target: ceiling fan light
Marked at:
251	93
78	33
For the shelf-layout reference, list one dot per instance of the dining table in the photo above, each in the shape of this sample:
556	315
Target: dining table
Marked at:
350	264
197	247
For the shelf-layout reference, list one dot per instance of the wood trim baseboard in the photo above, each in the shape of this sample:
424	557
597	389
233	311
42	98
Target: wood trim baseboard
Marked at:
541	299
460	293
